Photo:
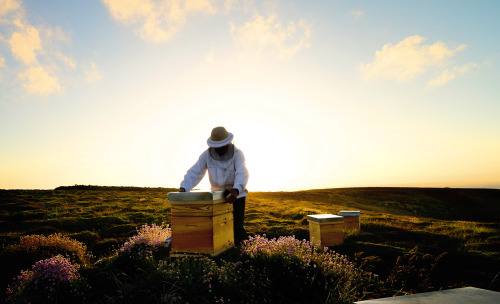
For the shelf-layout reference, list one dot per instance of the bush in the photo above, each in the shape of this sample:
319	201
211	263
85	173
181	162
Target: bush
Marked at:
329	276
53	280
130	274
33	248
148	240
40	247
269	279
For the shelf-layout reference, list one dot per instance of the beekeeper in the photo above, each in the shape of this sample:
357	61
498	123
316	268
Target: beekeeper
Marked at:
226	171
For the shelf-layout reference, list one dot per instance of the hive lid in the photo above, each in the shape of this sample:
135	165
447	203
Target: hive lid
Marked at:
325	218
195	196
465	295
349	213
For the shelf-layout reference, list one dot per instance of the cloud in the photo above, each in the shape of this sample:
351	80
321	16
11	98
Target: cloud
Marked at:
448	74
442	79
57	34
92	74
407	59
31	45
37	80
69	62
7	6
269	36
25	43
357	14
156	21
466	68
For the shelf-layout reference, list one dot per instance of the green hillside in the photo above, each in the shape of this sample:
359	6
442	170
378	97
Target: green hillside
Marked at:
461	227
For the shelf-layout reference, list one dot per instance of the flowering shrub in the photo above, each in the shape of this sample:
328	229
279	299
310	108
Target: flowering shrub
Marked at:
45	282
41	247
147	240
340	278
33	248
329	261
267	279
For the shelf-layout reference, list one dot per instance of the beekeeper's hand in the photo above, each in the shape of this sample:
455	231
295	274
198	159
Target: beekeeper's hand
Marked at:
233	195
182	190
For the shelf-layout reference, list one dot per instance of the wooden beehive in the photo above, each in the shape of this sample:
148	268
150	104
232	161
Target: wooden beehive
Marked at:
201	222
351	219
326	229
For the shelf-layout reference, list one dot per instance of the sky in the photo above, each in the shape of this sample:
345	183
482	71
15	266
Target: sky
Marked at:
318	94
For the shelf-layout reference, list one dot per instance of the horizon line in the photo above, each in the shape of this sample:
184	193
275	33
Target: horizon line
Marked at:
494	186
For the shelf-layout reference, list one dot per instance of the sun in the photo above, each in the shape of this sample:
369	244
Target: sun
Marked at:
283	148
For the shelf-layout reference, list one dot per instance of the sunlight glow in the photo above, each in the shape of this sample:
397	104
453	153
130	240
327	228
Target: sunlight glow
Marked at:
317	96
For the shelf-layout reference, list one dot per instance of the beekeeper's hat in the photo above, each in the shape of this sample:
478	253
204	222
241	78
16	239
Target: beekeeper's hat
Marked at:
219	138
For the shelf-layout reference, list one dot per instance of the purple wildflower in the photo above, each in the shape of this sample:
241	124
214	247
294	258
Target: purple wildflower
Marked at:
307	252
45	275
147	240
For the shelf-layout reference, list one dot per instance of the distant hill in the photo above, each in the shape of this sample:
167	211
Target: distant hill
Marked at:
482	205
114	188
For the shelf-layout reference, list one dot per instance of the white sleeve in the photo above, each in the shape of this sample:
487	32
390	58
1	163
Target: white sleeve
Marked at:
241	171
194	175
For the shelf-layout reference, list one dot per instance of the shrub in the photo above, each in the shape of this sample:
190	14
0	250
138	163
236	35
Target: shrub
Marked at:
147	241
42	247
342	282
51	280
330	261
33	248
268	279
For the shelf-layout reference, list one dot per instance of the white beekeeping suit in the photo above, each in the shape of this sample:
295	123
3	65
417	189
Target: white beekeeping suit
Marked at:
225	171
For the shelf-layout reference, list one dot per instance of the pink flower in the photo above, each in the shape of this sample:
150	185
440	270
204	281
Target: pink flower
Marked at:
45	274
307	252
148	239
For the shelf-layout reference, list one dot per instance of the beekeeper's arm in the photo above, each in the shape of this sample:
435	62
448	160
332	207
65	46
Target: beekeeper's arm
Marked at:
241	172
194	175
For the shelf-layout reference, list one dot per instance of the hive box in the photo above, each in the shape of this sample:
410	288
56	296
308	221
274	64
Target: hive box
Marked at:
327	229
202	222
351	219
465	295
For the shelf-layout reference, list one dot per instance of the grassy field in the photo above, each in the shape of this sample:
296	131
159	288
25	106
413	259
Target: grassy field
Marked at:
418	239
462	225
